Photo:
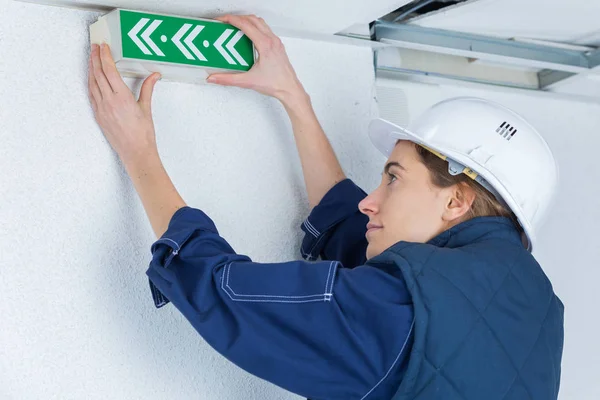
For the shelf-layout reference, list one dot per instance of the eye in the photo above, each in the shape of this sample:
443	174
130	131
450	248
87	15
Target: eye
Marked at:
391	178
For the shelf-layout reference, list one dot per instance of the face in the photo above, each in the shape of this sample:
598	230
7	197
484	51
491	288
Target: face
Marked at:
406	206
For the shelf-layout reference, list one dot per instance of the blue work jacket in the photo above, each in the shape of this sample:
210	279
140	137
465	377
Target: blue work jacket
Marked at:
469	315
488	324
326	330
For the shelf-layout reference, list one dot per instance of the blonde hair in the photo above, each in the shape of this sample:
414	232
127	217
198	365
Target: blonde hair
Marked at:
485	203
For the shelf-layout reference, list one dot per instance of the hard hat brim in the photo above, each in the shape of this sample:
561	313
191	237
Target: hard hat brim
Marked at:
384	136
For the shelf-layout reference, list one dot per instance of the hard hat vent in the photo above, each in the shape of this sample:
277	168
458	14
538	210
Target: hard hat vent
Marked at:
506	131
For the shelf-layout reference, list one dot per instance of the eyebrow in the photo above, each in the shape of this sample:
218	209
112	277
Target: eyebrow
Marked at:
391	164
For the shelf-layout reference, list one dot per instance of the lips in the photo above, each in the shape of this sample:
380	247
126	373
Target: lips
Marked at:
371	227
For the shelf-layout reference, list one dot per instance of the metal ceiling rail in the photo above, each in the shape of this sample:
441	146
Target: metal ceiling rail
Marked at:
556	63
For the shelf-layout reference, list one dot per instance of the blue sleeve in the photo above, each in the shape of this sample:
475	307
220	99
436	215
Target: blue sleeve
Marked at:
314	328
335	228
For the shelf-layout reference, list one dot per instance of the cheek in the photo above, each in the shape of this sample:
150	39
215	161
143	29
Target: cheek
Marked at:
403	202
410	214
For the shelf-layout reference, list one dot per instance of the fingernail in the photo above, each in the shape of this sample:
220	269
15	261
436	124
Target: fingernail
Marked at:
103	45
211	79
94	46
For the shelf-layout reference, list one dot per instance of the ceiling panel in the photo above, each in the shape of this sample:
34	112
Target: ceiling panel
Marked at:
574	21
568	21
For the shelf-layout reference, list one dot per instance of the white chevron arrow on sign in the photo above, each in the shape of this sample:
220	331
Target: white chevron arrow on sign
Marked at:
177	40
236	38
189	41
230	46
145	35
219	45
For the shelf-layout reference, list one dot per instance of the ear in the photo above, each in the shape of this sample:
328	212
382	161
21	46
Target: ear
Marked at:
460	199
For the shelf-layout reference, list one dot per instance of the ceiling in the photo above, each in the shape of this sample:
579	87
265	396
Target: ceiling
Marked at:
571	21
321	16
566	21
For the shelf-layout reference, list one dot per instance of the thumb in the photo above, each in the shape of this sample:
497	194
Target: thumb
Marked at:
235	79
147	89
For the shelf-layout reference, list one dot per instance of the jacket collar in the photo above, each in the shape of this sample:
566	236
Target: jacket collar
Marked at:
468	232
477	229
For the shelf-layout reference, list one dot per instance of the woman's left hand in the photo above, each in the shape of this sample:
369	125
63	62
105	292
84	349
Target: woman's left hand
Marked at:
126	123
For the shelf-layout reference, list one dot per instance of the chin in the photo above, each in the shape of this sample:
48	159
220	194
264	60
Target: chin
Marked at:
372	252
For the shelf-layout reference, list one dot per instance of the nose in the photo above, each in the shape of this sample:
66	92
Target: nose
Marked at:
370	204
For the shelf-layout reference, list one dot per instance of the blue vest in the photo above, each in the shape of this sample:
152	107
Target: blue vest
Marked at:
487	322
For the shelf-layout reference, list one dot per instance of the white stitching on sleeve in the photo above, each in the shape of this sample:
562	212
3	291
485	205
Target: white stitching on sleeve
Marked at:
309	228
330	291
274	298
328	274
264	295
171	240
313	227
395	361
309	257
314	246
159	298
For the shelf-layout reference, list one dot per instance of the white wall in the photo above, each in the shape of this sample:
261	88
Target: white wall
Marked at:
77	317
568	247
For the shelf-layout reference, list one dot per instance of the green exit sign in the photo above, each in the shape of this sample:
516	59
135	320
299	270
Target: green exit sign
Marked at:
180	48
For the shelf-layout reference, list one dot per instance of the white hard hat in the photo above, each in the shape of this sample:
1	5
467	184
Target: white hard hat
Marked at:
491	144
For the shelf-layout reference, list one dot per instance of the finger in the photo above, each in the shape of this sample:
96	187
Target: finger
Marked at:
258	22
223	18
110	69
94	105
271	40
148	89
237	79
103	84
246	25
261	25
95	93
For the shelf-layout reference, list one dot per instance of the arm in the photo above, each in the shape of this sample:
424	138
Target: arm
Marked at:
335	228
320	166
273	75
154	187
316	329
127	125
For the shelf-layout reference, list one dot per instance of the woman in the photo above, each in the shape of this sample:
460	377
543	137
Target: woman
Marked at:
425	288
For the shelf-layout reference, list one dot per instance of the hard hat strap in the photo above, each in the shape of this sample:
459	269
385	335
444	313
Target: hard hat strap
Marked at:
456	168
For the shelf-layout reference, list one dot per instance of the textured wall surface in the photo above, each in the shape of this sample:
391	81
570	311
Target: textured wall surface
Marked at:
77	317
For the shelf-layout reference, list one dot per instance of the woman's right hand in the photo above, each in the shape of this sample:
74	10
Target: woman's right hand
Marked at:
272	74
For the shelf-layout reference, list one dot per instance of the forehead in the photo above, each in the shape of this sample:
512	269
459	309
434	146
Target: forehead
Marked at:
404	153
